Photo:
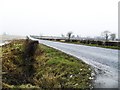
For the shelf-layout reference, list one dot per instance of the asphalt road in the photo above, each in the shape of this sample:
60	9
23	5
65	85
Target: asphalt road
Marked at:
104	61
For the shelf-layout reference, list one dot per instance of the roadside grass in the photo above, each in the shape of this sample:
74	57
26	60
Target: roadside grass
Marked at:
48	68
95	45
109	47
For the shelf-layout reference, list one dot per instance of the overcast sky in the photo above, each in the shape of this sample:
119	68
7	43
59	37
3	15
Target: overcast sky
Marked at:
56	17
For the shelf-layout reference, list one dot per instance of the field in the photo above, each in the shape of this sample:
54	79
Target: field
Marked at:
4	38
95	45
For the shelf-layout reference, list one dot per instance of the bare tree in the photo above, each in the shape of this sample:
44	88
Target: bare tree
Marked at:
113	36
106	34
78	36
62	35
73	36
69	34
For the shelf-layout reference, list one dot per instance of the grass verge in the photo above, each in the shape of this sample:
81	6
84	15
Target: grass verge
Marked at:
95	45
45	68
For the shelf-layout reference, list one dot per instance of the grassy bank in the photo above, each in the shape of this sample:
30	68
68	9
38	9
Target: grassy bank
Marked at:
27	64
95	45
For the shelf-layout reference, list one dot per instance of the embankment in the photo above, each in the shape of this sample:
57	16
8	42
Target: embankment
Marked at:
27	64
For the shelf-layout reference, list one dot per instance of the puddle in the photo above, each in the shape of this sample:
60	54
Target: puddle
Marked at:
103	80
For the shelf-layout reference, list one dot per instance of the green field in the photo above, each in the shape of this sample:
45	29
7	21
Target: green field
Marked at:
30	65
95	45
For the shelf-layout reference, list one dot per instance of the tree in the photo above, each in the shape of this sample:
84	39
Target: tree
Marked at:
62	35
113	36
69	34
106	34
78	36
73	36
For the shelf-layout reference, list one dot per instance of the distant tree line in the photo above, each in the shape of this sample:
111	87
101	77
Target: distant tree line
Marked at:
105	35
105	41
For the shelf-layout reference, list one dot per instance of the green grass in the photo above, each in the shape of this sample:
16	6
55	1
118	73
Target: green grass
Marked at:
95	45
110	47
50	68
